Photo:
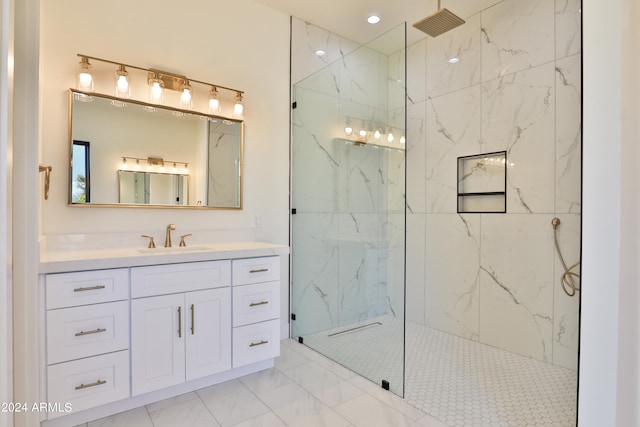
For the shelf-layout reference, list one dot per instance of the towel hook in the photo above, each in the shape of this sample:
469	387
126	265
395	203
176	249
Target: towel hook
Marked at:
47	179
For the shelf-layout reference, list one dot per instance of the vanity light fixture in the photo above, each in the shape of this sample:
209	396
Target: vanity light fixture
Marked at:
238	108
185	97
156	89
403	139
214	102
189	90
376	134
348	131
85	75
123	86
390	137
154	164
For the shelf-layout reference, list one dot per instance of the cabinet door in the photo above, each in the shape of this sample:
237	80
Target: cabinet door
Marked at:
208	333
158	333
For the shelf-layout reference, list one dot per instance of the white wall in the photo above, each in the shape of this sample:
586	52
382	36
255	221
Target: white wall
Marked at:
6	324
609	315
237	44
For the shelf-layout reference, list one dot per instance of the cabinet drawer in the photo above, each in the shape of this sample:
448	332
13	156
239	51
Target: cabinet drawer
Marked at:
253	343
90	382
256	270
174	278
256	303
86	287
85	331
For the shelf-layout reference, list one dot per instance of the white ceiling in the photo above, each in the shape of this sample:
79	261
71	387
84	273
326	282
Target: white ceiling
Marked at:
348	17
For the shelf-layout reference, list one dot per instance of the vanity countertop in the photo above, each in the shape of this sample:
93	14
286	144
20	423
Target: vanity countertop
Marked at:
95	259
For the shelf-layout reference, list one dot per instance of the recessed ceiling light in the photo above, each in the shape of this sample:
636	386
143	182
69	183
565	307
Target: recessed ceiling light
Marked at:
373	19
320	52
454	60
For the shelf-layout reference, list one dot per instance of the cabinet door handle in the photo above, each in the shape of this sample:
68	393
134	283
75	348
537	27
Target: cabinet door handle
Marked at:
95	331
254	304
179	322
255	344
83	386
89	288
193	319
259	270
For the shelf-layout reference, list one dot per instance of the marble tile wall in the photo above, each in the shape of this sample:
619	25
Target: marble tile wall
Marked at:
348	231
495	278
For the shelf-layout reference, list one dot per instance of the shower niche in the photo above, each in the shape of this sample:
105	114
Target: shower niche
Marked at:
482	183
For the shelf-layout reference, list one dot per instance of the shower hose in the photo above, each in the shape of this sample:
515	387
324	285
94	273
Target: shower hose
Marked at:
569	278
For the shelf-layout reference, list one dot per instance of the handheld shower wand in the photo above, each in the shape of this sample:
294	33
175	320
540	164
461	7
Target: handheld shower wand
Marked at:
569	277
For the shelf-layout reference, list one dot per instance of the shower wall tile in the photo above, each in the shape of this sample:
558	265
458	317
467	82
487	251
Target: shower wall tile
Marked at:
316	160
306	40
462	43
392	265
396	79
416	256
518	116
517	35
568	135
316	293
566	309
392	180
417	72
416	157
568	27
360	77
361	284
360	178
516	284
453	130
325	81
452	273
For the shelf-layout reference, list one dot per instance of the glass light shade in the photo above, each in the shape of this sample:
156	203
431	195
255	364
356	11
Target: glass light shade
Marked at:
123	86
214	102
238	108
376	134
402	140
85	77
185	97
390	137
156	91
348	131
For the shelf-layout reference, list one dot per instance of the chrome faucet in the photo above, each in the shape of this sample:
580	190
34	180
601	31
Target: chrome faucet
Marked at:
167	240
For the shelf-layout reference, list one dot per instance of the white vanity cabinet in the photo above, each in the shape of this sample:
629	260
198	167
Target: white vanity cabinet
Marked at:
87	336
256	309
178	337
138	329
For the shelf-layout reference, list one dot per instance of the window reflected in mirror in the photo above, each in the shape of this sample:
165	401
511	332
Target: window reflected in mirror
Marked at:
80	178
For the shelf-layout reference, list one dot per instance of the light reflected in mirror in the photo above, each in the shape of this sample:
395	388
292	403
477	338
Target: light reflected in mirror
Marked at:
134	147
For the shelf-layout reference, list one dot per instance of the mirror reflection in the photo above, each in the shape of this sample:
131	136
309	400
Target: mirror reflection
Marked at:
146	155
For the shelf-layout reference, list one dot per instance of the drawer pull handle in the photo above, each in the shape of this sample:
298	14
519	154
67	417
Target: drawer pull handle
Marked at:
95	331
89	288
255	344
83	386
179	322
259	270
193	319
254	304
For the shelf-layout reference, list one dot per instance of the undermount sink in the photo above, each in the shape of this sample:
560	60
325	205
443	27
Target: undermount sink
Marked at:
174	250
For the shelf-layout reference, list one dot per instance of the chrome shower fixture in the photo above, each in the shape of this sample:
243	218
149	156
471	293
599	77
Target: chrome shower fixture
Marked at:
439	22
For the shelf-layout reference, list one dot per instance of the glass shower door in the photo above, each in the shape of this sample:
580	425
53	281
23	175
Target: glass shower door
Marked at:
348	230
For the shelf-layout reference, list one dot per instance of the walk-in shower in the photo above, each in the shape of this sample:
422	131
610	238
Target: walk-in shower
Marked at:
487	335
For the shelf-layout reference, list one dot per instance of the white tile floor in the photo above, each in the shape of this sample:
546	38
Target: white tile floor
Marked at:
303	389
461	382
451	382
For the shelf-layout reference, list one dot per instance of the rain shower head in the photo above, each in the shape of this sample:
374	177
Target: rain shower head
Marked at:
439	22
